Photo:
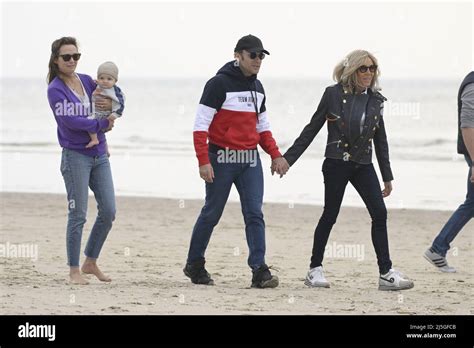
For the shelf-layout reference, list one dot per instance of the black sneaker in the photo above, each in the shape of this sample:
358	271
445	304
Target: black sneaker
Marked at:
262	278
198	273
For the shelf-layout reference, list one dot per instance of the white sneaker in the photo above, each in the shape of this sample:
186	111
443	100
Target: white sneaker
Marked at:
315	278
394	280
439	261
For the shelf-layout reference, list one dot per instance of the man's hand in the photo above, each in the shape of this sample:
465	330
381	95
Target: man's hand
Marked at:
280	165
387	190
207	173
472	174
103	104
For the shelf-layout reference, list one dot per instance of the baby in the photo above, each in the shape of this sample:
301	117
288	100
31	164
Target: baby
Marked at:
107	77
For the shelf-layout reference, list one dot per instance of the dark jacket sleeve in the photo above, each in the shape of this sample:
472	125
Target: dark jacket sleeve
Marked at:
381	150
309	132
121	97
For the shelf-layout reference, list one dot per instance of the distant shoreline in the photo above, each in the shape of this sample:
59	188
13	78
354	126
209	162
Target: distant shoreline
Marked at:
194	200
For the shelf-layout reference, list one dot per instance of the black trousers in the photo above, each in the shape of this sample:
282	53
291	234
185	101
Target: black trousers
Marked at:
337	174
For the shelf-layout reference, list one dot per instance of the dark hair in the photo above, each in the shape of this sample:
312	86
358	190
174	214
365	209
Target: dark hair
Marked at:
55	47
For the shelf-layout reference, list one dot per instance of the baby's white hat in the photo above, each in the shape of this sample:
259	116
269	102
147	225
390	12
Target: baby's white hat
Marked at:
108	68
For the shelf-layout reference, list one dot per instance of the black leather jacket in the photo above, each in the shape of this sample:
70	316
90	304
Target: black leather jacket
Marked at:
335	106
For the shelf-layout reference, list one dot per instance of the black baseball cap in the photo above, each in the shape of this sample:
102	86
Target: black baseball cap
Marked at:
250	43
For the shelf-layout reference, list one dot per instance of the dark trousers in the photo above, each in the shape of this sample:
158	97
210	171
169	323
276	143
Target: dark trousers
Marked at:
337	173
248	180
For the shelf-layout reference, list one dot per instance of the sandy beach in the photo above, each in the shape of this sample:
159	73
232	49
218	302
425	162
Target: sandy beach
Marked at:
147	247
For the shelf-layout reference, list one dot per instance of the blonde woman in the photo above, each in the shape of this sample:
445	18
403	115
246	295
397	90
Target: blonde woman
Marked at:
353	108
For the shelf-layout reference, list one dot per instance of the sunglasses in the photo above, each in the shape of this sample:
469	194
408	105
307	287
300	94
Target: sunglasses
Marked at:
364	68
254	55
67	57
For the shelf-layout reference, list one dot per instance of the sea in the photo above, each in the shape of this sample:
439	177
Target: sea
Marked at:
152	151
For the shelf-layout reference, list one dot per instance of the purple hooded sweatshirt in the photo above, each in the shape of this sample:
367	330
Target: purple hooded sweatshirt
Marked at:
71	117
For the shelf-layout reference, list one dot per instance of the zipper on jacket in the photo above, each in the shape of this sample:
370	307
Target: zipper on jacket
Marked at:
334	142
350	116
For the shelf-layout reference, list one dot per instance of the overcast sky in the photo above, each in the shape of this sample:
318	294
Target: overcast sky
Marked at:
193	39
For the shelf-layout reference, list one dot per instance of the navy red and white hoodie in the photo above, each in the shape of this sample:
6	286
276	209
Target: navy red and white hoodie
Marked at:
232	114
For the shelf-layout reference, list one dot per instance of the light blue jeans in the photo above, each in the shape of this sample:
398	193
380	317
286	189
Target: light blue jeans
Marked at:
79	173
458	220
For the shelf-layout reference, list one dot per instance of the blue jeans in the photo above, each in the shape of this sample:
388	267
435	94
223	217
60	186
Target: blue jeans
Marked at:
249	183
79	173
337	174
460	217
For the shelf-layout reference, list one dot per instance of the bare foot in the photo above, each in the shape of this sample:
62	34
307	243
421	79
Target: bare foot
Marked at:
92	143
92	268
75	277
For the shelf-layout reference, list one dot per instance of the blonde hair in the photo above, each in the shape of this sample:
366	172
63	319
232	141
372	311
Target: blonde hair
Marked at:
345	71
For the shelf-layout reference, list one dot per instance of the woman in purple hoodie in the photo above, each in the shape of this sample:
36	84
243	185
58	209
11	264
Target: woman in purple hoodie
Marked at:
70	96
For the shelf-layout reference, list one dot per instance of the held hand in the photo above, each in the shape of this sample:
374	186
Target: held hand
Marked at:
387	190
280	166
206	172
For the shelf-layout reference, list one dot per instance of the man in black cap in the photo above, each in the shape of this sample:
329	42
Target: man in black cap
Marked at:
232	116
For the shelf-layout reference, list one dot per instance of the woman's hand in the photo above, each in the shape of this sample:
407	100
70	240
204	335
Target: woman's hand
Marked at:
111	123
388	189
103	104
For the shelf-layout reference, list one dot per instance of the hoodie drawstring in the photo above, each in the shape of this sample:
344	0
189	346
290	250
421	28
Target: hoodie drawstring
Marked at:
254	98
